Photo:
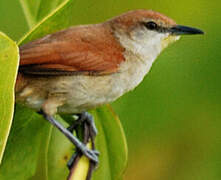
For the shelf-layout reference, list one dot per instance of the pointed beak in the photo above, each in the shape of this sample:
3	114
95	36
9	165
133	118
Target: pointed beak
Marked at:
184	30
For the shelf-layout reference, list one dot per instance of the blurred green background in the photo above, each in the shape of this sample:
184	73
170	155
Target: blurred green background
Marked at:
172	120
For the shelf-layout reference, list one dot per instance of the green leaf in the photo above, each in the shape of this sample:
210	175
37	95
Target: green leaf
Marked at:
30	9
36	10
9	64
59	19
24	143
55	150
46	6
111	143
59	152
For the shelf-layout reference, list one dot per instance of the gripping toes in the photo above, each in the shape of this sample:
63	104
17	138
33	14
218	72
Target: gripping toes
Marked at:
90	120
91	154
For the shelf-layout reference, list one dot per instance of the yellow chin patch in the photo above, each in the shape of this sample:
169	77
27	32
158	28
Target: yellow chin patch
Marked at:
168	40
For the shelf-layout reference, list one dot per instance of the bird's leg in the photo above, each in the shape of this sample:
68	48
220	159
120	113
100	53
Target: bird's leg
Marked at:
91	154
84	120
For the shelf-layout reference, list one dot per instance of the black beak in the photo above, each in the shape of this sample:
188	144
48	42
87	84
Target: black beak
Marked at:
184	30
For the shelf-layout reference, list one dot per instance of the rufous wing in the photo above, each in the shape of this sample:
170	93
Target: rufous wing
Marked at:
89	50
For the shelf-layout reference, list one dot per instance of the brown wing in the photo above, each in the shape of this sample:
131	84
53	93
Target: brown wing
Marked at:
91	50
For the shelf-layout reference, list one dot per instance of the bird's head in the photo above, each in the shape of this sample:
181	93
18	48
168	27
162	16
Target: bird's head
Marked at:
147	32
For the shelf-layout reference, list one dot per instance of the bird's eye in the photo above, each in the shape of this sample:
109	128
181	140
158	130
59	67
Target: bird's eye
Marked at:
151	25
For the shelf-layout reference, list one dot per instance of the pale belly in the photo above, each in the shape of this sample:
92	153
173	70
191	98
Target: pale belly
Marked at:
81	93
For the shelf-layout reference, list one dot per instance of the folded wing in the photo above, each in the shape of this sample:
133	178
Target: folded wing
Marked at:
89	50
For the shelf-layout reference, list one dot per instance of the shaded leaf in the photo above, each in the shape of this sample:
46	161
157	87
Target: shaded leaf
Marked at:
8	70
23	147
59	152
111	143
30	9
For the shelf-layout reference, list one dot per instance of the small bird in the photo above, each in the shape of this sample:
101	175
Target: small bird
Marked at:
86	66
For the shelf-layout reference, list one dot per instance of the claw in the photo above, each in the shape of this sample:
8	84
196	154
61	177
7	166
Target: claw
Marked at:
96	152
72	160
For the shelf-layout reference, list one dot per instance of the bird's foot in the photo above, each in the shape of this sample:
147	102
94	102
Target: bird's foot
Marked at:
85	121
87	118
91	154
81	147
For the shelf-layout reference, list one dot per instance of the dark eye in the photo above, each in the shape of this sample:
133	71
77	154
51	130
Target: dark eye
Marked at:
151	25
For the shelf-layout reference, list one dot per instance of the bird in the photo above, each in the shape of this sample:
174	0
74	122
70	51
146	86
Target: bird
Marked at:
86	66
